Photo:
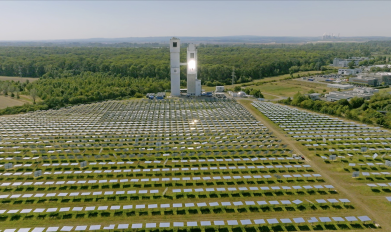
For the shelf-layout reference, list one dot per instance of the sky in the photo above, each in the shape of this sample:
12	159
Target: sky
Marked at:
53	20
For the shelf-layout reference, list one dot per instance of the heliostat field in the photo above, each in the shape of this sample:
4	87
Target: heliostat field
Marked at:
169	165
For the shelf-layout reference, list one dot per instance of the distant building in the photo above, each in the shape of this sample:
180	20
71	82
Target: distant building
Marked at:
349	71
385	78
365	93
382	77
375	79
314	96
337	62
233	94
219	88
360	80
330	37
339	86
242	94
238	94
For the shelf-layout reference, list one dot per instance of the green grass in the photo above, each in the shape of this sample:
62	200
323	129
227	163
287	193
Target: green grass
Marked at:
266	79
288	88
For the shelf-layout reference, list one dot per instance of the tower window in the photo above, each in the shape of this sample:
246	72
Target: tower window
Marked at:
174	44
191	55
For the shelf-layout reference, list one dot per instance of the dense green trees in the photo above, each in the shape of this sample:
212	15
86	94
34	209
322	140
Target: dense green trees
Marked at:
88	86
215	62
375	111
83	88
73	75
255	92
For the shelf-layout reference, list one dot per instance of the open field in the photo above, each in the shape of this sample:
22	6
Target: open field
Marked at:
275	78
209	164
386	90
281	88
288	88
266	79
8	102
381	55
320	144
21	79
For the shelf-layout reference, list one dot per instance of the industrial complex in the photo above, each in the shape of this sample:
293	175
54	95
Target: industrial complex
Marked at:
338	62
365	93
376	79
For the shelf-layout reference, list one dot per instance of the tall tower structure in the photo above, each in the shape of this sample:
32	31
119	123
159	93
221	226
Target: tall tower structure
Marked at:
191	69
175	49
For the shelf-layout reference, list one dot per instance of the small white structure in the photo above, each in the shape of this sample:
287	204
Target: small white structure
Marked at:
349	71
238	94
219	89
198	87
241	94
339	86
233	94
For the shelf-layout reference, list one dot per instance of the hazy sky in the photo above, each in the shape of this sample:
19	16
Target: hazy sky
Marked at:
46	20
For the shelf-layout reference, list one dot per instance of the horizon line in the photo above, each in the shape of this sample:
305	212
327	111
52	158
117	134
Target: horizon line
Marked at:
261	36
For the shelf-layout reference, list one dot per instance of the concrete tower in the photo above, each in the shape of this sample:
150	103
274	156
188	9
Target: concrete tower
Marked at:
175	48
193	84
191	69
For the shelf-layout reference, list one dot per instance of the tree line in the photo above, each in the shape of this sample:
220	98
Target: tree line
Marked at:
73	75
376	110
83	88
215	63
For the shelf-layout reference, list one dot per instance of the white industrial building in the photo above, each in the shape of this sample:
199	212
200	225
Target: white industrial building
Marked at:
349	71
339	86
193	84
337	62
365	93
219	89
314	96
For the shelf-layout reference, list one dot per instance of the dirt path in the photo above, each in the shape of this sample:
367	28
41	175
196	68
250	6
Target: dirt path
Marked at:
357	199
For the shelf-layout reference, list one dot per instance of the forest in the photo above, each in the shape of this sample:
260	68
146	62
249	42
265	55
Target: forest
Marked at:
73	75
83	88
215	62
372	111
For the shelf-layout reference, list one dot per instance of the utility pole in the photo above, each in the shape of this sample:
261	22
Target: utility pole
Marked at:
233	75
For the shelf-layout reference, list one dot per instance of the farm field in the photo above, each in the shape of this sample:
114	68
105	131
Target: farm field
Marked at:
267	79
8	102
275	78
288	88
356	160
176	164
21	79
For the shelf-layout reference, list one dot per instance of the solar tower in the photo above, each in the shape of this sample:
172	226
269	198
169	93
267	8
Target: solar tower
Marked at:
175	48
